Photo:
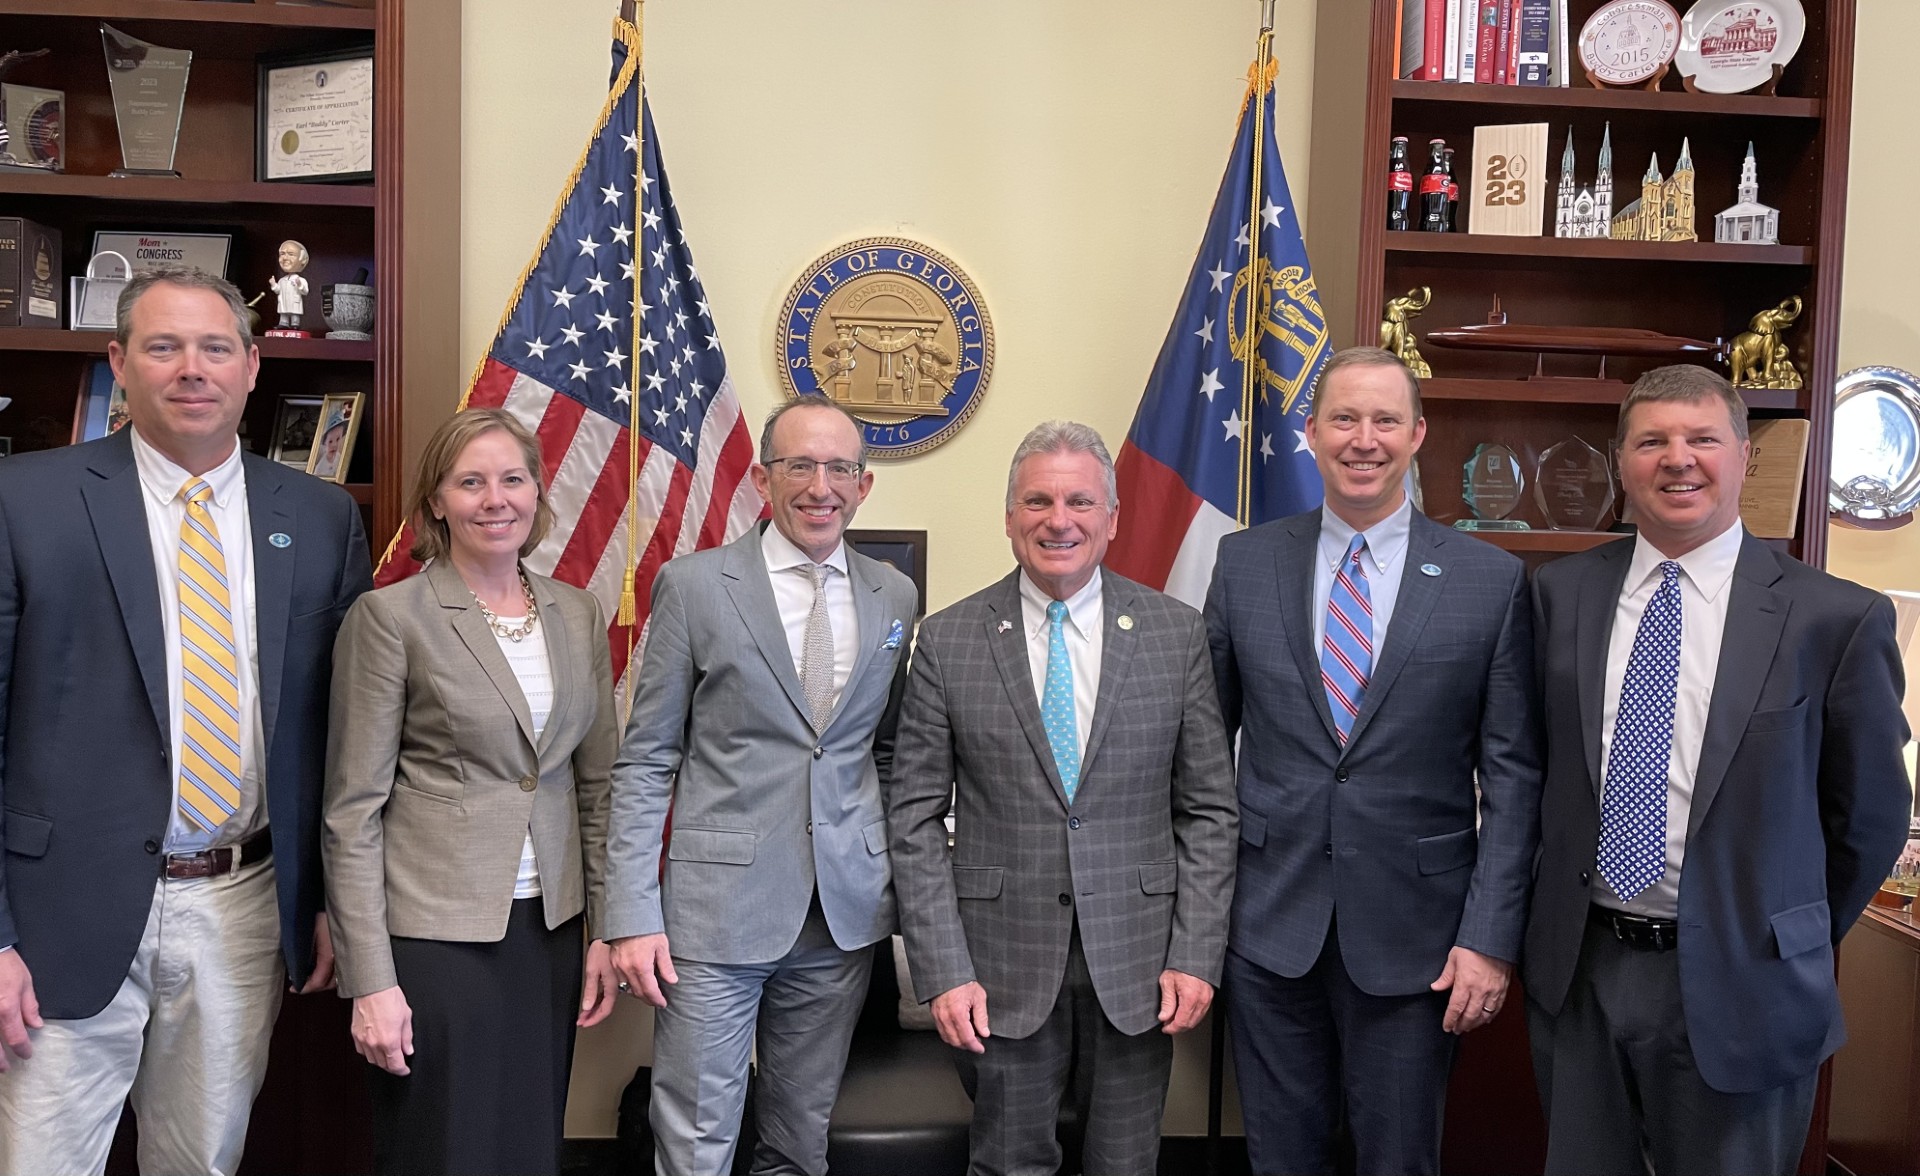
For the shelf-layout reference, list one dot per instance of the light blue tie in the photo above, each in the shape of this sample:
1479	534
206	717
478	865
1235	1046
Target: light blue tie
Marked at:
1633	808
1056	706
1346	654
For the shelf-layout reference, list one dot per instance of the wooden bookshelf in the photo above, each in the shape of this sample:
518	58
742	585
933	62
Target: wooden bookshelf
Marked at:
1700	289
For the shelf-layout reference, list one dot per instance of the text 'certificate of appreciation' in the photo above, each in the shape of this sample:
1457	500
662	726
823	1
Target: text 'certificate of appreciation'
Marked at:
317	120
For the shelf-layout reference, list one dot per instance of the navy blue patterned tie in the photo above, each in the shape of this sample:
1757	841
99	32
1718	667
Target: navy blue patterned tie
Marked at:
1633	806
1056	706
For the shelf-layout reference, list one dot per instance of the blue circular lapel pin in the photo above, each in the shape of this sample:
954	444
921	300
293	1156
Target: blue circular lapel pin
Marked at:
1429	569
282	539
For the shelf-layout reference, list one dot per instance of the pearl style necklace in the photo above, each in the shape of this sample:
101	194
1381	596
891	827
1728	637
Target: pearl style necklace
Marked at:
515	632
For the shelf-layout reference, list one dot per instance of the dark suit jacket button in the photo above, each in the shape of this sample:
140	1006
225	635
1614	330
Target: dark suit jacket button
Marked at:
1066	900
818	752
152	846
1586	879
528	783
1073	822
1329	849
1340	774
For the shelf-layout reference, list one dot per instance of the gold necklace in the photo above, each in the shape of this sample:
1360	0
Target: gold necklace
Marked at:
516	632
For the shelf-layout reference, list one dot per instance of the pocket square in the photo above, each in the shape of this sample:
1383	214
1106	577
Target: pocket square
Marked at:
895	635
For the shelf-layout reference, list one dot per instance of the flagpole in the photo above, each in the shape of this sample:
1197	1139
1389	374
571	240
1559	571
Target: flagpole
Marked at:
628	610
1249	364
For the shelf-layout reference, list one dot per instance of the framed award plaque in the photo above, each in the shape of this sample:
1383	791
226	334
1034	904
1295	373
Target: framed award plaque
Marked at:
1630	43
314	117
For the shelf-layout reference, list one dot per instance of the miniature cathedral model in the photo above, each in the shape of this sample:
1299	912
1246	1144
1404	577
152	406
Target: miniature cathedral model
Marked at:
1749	221
1664	211
1589	213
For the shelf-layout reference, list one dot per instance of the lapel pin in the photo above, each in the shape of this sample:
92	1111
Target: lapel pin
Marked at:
1429	569
280	539
1005	625
1125	621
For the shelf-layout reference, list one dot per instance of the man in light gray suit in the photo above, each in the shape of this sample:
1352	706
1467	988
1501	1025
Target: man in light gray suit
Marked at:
764	715
1084	906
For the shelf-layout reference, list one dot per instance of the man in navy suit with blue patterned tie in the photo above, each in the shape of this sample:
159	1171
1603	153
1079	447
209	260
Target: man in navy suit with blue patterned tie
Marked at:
1724	792
1376	666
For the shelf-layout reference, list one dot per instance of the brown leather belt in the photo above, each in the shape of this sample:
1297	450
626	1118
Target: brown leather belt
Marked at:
211	863
1640	932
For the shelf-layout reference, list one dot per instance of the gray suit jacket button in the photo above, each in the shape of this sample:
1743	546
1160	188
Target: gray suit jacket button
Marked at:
809	828
1073	822
528	783
818	752
1066	900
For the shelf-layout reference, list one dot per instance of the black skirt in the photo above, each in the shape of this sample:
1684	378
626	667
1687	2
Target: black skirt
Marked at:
493	1027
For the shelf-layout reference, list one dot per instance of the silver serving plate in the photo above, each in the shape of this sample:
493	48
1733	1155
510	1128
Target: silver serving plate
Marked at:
1876	444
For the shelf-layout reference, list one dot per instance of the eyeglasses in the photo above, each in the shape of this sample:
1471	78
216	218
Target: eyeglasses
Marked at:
1077	504
801	469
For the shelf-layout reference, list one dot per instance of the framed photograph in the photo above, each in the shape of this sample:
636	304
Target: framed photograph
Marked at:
314	117
906	551
154	250
333	443
295	424
102	407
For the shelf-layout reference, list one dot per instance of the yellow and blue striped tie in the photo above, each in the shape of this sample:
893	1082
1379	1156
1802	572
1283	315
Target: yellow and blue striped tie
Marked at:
209	671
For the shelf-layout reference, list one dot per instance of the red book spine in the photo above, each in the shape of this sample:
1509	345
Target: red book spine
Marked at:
1503	54
1489	42
1513	44
1433	66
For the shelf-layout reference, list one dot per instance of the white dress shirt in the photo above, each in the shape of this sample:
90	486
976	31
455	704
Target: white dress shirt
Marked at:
161	483
532	667
793	595
1381	560
1705	575
1082	629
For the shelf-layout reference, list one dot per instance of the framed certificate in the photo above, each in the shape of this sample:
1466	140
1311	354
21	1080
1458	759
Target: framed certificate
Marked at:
314	116
150	251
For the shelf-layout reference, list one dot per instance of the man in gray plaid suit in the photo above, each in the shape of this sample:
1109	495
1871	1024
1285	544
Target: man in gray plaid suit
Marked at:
1083	911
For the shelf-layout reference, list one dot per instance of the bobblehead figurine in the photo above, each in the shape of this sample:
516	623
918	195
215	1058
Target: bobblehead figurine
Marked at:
291	289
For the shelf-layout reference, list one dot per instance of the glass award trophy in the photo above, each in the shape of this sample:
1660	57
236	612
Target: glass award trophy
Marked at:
1573	486
149	85
1491	485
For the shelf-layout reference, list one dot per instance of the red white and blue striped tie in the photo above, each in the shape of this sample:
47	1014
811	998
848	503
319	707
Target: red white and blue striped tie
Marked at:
1346	656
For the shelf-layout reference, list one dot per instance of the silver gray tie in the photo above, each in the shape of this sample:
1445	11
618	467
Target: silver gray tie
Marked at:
816	658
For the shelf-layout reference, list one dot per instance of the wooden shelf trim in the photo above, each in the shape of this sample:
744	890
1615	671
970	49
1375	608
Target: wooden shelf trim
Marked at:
1597	249
1582	98
1554	541
299	16
1569	391
95	343
164	191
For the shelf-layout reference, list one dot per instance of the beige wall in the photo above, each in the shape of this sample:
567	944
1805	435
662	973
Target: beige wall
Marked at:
1880	320
1064	152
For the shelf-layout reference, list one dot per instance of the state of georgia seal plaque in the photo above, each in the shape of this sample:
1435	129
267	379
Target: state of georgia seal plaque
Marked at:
895	332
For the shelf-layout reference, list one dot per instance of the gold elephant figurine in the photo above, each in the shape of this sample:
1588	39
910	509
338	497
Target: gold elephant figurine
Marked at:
1397	337
1757	356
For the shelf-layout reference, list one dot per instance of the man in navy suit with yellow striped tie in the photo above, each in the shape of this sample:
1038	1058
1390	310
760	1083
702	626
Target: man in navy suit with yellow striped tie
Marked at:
168	604
1381	893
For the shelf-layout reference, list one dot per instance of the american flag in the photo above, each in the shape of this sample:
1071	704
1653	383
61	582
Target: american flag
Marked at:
570	360
1181	476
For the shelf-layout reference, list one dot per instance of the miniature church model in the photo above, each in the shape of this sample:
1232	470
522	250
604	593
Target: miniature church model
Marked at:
1589	212
1749	222
1664	211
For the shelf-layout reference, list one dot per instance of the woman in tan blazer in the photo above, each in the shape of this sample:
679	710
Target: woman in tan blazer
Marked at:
471	738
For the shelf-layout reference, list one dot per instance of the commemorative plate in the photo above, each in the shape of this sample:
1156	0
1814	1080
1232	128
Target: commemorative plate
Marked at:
1628	41
1731	47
